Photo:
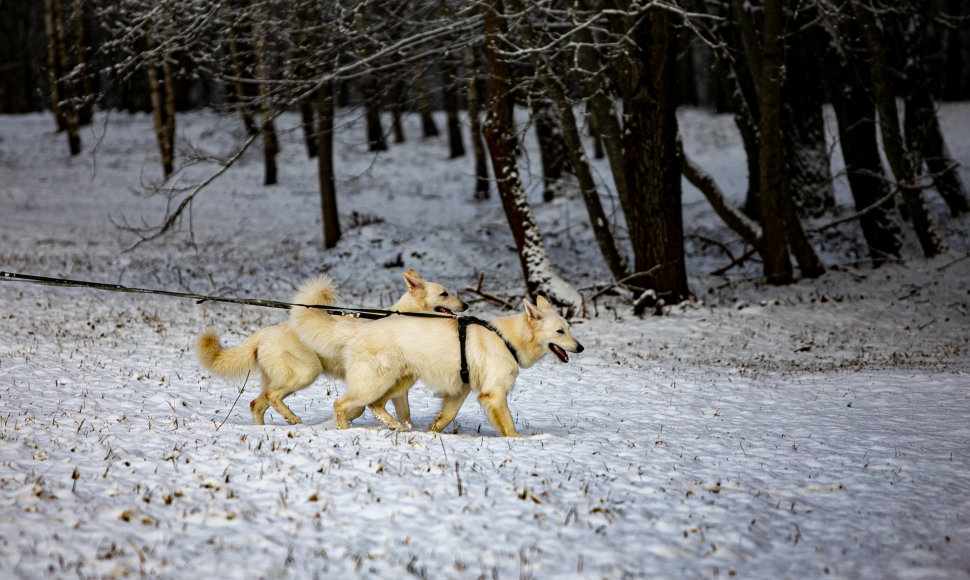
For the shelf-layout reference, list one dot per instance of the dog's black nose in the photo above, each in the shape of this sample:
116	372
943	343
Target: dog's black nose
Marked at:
579	347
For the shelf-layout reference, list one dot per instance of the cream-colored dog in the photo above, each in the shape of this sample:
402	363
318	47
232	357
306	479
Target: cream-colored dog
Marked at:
286	364
385	357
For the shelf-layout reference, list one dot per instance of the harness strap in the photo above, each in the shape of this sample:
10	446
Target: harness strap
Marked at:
463	322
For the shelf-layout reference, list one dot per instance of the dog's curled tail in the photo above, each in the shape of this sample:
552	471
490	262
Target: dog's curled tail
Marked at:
230	363
315	326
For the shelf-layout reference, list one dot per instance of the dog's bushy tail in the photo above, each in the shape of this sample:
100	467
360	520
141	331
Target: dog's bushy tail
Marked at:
315	326
230	363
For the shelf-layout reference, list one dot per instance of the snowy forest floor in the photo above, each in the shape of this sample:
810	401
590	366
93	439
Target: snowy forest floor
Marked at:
813	430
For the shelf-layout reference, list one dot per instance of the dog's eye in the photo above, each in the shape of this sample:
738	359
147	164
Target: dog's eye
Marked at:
444	294
561	331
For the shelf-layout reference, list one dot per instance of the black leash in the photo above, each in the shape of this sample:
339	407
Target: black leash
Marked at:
463	322
366	313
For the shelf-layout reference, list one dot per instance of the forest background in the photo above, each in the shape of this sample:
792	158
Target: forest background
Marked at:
616	69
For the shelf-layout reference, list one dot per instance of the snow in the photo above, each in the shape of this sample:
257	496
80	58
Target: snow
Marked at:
812	430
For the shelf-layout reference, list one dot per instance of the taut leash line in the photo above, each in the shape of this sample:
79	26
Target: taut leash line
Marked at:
369	313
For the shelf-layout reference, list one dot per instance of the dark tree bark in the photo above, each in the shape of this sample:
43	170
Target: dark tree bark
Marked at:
58	64
397	95
450	96
372	102
777	262
325	166
551	149
924	139
927	232
267	127
239	71
653	172
428	126
809	166
474	92
306	123
603	112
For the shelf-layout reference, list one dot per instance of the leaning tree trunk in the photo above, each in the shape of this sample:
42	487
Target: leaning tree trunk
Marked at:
540	276
603	113
856	118
926	139
325	166
927	232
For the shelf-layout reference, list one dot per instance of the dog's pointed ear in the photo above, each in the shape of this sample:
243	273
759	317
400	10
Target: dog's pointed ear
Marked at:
543	304
533	312
414	280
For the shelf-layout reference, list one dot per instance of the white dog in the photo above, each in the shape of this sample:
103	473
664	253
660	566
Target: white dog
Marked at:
386	356
286	364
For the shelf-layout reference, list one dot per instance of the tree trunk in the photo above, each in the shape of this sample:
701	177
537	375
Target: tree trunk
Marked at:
306	123
653	172
925	141
540	276
923	221
267	127
396	96
741	84
61	96
777	263
372	102
239	71
474	96
450	93
85	109
856	117
325	166
603	114
551	147
809	166
428	126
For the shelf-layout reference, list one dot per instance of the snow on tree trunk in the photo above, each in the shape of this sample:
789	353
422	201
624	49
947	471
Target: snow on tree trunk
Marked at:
540	276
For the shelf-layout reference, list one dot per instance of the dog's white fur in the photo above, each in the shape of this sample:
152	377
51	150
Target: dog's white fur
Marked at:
383	360
286	364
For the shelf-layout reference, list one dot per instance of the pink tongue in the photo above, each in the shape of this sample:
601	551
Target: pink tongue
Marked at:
560	352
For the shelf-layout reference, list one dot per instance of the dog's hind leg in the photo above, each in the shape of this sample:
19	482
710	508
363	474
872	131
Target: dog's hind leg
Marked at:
449	409
258	408
399	396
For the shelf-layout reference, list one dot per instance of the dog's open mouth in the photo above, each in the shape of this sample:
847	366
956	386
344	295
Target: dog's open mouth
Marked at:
443	310
559	352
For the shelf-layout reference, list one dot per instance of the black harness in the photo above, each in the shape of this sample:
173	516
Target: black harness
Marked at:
463	323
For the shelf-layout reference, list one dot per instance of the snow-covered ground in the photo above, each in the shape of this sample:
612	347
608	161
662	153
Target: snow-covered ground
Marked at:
816	430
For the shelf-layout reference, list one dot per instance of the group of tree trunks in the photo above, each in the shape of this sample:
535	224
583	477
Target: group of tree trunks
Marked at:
776	63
